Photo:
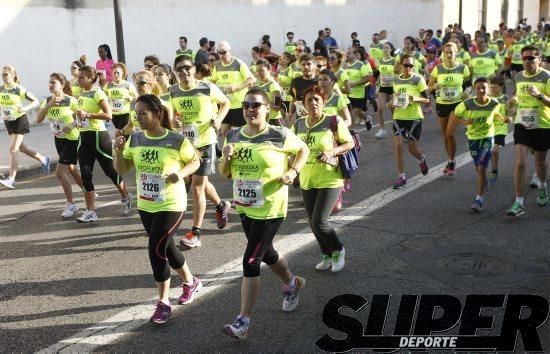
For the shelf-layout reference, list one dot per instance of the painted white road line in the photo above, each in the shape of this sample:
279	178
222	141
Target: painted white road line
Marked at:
133	317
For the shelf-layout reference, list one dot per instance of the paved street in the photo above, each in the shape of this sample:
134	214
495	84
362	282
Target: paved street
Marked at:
78	288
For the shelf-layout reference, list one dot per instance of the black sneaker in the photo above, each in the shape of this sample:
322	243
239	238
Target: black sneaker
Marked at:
368	123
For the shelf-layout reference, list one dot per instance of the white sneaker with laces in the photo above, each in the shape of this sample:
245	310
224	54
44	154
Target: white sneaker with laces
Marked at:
326	263
70	210
338	260
8	183
291	295
126	204
87	216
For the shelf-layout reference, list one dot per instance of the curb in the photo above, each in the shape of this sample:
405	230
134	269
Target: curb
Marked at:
32	170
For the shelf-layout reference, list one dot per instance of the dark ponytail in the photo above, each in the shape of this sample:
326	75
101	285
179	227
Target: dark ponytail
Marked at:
155	105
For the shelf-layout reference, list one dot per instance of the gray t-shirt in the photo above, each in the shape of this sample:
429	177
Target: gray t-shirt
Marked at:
201	57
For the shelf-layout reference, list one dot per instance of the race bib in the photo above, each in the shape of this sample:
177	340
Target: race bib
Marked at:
152	187
529	117
8	113
400	100
83	123
117	105
190	131
386	80
248	193
449	93
58	128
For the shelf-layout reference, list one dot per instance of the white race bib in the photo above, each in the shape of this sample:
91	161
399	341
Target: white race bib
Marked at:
529	117
191	132
400	100
83	123
248	193
152	187
58	128
8	113
117	105
449	93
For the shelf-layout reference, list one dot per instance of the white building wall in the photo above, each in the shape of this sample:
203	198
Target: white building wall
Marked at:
531	10
44	36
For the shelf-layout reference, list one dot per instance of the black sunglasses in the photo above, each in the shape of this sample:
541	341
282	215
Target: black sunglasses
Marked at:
222	52
181	68
319	66
253	105
407	65
148	66
142	82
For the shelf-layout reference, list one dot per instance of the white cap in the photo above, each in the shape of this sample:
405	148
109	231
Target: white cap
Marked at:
224	45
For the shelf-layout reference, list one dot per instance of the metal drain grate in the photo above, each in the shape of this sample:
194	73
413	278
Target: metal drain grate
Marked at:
474	265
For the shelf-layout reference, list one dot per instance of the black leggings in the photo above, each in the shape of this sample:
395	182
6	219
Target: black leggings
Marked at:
160	227
318	204
260	234
96	145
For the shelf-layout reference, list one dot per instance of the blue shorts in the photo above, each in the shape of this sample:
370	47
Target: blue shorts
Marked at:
481	151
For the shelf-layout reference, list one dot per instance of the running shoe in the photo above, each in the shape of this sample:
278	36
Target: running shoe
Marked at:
87	216
542	197
162	313
337	206
221	215
126	204
8	183
368	123
70	210
381	134
291	295
338	260
515	210
326	263
237	329
191	240
400	183
534	184
423	166
477	206
46	165
446	169
189	291
493	177
451	170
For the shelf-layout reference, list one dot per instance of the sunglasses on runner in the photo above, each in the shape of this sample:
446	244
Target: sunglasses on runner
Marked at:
319	66
5	74
74	67
148	66
222	52
142	82
181	68
407	65
332	58
528	57
253	105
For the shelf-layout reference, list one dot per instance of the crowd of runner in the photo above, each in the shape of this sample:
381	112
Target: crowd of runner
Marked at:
282	120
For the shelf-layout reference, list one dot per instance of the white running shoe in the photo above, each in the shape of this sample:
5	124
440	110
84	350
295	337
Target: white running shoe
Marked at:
326	263
126	204
238	329
291	295
8	183
191	240
70	210
338	260
381	134
87	216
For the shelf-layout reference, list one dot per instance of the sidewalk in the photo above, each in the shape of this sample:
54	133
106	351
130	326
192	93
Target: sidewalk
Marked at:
39	139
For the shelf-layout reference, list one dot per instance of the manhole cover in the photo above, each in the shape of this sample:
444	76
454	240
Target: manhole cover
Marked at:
474	264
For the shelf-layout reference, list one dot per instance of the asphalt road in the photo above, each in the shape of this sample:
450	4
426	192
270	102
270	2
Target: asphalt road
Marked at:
63	280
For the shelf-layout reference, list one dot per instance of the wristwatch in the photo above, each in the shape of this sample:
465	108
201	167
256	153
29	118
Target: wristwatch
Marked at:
540	96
